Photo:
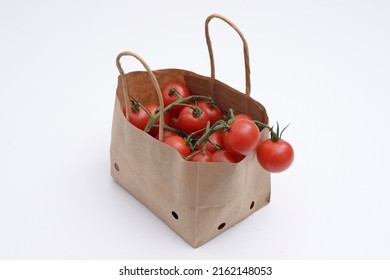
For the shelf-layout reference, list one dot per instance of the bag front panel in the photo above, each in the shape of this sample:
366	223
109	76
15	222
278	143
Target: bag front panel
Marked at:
153	173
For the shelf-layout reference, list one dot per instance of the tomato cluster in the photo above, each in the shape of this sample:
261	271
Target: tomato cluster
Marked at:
200	131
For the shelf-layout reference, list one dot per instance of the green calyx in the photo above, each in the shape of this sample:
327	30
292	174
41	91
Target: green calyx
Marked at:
197	112
175	91
275	136
135	105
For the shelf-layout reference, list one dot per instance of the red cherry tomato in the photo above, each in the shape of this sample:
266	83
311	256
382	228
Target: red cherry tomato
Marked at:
214	143
174	122
192	119
214	112
223	156
153	108
242	137
171	92
243	116
202	157
137	116
275	156
240	158
179	144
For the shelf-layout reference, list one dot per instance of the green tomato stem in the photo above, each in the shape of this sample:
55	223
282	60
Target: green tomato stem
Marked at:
215	128
231	115
175	91
180	101
189	157
167	127
275	136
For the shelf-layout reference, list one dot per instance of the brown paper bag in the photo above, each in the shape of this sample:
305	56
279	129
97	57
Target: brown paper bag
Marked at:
197	200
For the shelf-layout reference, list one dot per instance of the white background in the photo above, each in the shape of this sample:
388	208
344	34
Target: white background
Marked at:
324	66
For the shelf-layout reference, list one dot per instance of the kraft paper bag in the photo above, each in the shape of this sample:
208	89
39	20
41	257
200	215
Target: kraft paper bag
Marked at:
198	200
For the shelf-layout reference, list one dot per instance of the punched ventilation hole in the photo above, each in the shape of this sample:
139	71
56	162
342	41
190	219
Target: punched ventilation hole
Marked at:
174	214
252	204
221	226
116	166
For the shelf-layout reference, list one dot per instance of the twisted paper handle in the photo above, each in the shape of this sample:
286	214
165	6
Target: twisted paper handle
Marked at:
152	78
245	46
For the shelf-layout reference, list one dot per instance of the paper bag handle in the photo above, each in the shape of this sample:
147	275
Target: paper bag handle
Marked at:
152	78
245	45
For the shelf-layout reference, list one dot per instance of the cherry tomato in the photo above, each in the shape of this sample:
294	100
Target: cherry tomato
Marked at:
223	156
240	158
243	116
153	109
174	122
275	156
166	134
202	157
137	116
171	92
179	144
242	137
214	112
214	143
193	119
